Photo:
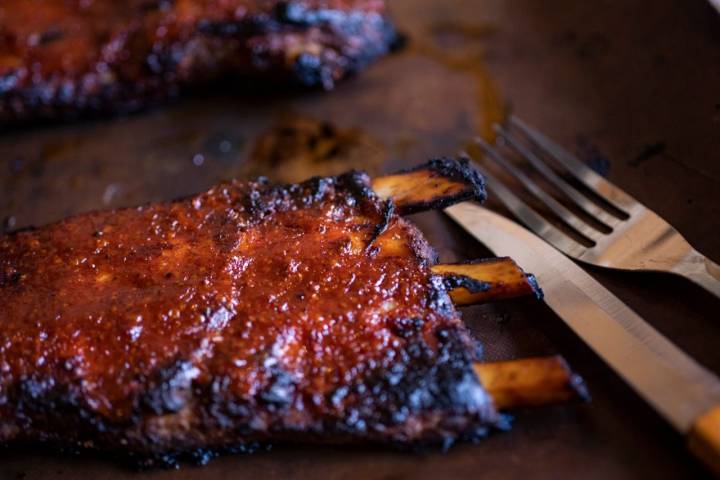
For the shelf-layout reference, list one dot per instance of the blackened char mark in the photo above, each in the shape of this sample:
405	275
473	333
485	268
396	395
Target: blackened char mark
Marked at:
423	383
292	13
387	216
279	392
60	405
472	285
358	184
171	390
353	188
438	296
175	459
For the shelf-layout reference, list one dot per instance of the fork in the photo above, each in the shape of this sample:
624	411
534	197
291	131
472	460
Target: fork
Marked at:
639	239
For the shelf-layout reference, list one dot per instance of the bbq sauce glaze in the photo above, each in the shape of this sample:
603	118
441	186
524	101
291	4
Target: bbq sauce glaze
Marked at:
249	312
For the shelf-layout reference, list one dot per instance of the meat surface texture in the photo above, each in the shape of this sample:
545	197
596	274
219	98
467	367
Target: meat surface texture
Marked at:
61	58
248	313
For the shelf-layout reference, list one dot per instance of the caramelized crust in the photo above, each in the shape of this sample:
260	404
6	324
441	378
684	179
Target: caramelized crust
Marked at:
69	57
247	313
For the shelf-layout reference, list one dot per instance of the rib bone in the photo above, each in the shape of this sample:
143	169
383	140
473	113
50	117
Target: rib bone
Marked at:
433	185
530	382
486	280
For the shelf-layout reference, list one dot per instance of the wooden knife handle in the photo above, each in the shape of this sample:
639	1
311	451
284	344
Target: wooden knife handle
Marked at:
704	439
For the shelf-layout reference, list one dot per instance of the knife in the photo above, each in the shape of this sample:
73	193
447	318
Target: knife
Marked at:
686	394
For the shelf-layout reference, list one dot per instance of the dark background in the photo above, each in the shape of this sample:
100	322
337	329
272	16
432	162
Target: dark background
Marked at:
632	86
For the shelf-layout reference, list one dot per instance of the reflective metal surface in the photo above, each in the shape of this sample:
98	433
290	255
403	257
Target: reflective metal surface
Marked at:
667	378
641	241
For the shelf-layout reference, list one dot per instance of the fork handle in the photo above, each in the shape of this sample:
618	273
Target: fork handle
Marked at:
701	270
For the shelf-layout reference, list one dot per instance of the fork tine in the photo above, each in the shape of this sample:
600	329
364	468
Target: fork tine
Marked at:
589	207
526	214
596	183
566	215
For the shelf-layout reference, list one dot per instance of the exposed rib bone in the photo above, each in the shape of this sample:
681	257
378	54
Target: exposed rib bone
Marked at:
485	280
434	185
530	382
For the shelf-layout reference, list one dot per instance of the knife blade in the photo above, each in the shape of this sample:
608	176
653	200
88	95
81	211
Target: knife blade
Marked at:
685	393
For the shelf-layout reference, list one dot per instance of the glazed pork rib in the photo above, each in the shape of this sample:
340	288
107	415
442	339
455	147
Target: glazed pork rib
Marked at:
253	313
62	58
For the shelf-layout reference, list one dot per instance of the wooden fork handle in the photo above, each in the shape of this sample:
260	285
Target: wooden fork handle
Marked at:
704	439
701	270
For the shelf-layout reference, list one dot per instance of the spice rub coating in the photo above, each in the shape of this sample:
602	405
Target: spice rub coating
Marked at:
250	312
62	58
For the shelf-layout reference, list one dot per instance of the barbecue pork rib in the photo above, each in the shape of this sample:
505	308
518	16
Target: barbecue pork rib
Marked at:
62	58
248	313
256	313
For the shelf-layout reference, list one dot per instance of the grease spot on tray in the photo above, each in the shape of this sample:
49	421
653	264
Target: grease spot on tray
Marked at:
299	146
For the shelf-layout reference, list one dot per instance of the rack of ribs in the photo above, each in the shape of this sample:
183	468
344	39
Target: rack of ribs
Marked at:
311	312
61	58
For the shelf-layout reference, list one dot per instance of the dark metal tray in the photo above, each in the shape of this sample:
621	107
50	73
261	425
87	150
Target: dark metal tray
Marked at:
631	85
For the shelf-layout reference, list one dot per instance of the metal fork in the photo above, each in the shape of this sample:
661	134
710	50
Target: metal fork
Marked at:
637	240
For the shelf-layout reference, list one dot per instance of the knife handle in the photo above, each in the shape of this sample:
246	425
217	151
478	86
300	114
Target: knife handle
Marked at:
704	439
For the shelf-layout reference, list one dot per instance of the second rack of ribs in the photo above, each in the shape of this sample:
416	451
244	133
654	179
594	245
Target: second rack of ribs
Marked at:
67	58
